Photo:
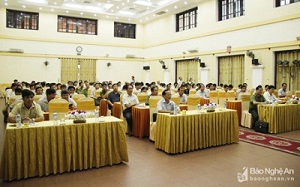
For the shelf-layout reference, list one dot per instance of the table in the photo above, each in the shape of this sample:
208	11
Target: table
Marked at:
140	121
281	117
235	105
46	149
193	131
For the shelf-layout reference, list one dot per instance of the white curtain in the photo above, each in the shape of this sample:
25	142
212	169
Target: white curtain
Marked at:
187	69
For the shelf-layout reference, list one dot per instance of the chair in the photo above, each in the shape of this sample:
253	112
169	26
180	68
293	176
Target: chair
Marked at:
153	100
231	95
246	116
142	97
36	98
213	97
117	110
103	107
176	100
12	99
192	91
76	97
297	93
59	106
87	104
252	91
192	101
222	97
275	93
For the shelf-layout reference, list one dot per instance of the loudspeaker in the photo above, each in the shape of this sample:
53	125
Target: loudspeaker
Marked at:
164	67
202	64
255	62
146	67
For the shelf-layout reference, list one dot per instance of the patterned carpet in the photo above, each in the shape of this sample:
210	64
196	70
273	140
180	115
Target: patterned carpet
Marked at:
270	141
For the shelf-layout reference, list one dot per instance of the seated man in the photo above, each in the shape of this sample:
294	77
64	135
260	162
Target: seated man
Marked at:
65	95
43	102
165	105
269	96
182	96
38	90
242	91
113	96
154	92
255	100
129	100
282	91
201	92
27	109
71	90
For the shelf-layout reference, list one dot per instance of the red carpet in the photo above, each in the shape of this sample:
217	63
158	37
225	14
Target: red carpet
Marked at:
270	141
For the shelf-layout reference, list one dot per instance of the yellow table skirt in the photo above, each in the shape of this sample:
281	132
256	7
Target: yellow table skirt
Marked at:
193	131
281	117
46	149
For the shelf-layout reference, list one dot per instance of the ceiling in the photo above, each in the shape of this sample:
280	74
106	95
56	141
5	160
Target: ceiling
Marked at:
130	10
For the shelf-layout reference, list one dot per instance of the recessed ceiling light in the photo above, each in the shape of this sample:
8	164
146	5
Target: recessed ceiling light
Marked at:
108	1
81	13
117	17
24	6
99	4
153	15
5	4
129	19
95	14
67	11
40	8
147	8
167	10
112	10
117	7
147	18
128	1
107	16
52	9
175	7
185	2
141	20
123	4
55	3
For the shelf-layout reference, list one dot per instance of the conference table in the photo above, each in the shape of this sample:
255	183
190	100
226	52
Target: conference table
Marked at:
235	105
196	130
281	117
43	149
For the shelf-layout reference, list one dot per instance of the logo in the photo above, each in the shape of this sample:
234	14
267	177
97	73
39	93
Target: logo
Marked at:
242	177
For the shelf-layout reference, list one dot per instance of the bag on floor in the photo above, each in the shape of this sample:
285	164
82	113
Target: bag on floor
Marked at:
261	126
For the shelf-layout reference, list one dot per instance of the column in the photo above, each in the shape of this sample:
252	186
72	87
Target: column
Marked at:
166	76
257	75
204	74
147	76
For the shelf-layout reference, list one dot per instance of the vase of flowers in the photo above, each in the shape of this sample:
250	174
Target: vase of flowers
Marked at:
78	116
210	107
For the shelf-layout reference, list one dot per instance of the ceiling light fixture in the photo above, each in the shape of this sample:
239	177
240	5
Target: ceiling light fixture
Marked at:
55	3
24	6
81	13
95	14
5	4
67	11
52	9
40	8
175	7
185	2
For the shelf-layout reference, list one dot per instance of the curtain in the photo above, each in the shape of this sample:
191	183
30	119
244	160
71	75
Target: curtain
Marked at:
231	70
73	69
290	73
187	69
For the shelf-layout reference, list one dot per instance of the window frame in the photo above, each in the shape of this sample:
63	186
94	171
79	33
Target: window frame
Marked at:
126	32
22	20
278	2
186	17
235	12
71	25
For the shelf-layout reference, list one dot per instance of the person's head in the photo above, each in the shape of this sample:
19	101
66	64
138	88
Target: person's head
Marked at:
137	85
240	86
97	86
166	95
81	84
154	90
71	90
32	87
144	89
16	81
53	86
211	87
27	97
70	83
284	86
169	86
115	87
181	90
226	87
271	89
175	84
75	83
259	90
63	87
266	87
13	86
18	91
245	84
38	90
129	89
243	89
202	87
65	95
104	87
50	94
230	87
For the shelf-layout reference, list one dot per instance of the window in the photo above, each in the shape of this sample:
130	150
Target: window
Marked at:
186	20
22	20
231	9
76	25
124	30
285	2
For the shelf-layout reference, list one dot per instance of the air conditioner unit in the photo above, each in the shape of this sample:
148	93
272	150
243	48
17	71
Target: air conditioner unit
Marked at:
130	56
14	50
146	67
193	50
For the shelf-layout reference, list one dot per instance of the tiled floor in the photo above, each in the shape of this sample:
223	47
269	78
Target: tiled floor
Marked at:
150	167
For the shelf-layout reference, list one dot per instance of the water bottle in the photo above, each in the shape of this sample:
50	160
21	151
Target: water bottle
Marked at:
225	105
55	118
175	110
199	108
18	121
96	115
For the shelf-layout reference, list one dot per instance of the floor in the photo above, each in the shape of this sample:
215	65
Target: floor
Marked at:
148	166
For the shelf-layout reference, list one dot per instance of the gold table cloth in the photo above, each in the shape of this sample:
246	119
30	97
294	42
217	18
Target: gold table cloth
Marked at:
140	121
193	131
45	149
281	117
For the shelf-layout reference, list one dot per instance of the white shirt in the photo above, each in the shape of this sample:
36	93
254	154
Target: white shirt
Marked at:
282	93
183	98
203	94
163	105
270	98
129	99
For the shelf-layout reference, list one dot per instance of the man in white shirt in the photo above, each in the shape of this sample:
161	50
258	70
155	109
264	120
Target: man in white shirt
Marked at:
44	101
201	92
182	96
269	96
242	91
72	104
165	105
282	91
129	100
